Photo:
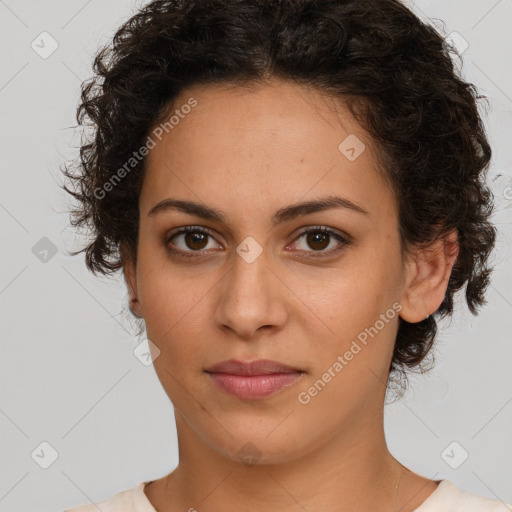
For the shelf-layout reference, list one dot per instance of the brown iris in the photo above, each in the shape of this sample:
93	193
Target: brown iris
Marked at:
192	238
318	237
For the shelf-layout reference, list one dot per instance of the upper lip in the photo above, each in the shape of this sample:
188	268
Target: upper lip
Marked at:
257	367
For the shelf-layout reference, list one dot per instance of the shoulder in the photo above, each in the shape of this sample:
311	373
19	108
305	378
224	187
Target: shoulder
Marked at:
472	502
449	498
130	500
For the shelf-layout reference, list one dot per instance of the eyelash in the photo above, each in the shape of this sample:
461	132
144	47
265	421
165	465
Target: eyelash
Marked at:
314	229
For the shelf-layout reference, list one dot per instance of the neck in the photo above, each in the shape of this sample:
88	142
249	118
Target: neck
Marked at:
352	471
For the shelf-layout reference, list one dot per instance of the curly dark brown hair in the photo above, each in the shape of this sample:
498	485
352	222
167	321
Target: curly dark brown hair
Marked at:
397	71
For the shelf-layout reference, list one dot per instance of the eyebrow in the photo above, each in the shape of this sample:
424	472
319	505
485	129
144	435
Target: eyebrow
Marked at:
284	214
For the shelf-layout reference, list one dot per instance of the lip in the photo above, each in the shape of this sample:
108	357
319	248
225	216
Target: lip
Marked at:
254	387
253	380
256	367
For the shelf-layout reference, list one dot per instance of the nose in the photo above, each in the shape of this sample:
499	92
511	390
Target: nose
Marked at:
251	298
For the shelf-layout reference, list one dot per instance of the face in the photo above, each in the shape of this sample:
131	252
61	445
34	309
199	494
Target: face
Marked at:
251	283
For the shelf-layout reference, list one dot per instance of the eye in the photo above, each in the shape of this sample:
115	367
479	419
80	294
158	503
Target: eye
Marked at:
195	241
194	237
320	237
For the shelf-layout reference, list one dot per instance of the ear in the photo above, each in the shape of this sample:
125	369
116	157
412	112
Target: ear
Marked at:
427	274
130	278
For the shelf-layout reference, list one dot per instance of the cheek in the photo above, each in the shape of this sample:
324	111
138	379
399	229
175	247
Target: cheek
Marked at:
354	360
356	294
351	301
173	308
175	304
163	291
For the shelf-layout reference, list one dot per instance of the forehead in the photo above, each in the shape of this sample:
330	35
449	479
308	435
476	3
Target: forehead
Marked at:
270	144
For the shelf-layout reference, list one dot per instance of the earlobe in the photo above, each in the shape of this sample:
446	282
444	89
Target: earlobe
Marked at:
130	277
135	308
428	271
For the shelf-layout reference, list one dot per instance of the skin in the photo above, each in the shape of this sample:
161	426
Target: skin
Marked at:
250	153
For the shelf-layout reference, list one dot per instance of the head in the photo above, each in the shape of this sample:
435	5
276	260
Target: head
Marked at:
249	109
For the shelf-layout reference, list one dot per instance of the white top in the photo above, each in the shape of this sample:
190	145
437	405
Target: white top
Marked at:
446	498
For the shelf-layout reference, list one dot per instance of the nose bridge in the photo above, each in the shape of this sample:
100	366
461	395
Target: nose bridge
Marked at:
248	278
249	297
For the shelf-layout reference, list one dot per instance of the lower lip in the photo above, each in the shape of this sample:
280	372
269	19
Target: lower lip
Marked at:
255	386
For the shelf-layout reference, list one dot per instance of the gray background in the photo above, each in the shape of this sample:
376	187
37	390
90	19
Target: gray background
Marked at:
67	369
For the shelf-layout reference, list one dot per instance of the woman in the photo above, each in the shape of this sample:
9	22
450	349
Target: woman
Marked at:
293	191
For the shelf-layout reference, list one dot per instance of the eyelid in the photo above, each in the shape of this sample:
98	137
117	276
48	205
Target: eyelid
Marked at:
343	238
184	230
322	228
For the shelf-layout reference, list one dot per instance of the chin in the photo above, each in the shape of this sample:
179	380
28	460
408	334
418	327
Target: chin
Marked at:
260	450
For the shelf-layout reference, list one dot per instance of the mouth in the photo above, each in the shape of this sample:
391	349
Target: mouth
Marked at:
253	380
248	368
